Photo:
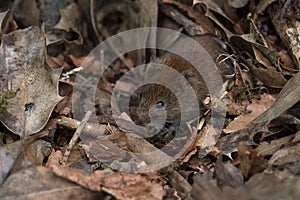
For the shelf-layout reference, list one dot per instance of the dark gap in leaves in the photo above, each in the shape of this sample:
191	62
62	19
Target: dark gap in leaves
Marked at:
257	137
72	36
285	132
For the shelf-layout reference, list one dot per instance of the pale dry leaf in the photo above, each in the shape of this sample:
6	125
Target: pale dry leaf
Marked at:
286	156
8	156
102	149
288	96
256	108
30	85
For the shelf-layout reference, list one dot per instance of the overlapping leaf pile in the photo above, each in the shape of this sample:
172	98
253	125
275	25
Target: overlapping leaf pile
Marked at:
256	157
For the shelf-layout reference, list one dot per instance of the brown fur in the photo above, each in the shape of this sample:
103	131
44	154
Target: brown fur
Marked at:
149	95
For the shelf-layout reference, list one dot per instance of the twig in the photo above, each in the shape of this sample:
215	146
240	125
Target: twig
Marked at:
105	34
75	137
92	8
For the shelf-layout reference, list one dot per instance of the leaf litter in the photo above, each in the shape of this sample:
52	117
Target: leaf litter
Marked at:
256	157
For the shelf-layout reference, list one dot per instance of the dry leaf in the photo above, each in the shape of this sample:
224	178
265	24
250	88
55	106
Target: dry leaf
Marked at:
70	22
120	185
288	96
102	149
30	84
203	189
286	156
134	14
41	183
256	108
132	186
8	156
2	17
228	174
251	162
26	13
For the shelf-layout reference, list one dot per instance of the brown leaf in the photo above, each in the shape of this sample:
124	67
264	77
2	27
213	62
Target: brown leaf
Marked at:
276	185
121	185
31	85
251	161
288	96
203	23
92	182
102	149
211	8
41	183
70	22
26	13
202	189
132	186
256	108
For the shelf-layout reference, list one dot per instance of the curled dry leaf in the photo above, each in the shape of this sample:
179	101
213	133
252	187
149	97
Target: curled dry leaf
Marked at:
211	8
29	85
2	17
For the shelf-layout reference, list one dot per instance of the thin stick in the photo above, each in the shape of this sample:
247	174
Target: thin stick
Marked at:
105	34
92	16
75	137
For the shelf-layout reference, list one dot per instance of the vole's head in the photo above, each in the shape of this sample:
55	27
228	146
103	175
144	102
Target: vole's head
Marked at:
155	104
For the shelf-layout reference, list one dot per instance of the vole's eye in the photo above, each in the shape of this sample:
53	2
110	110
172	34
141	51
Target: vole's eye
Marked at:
160	104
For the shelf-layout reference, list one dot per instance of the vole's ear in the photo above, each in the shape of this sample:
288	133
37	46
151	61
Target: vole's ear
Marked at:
190	77
134	99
